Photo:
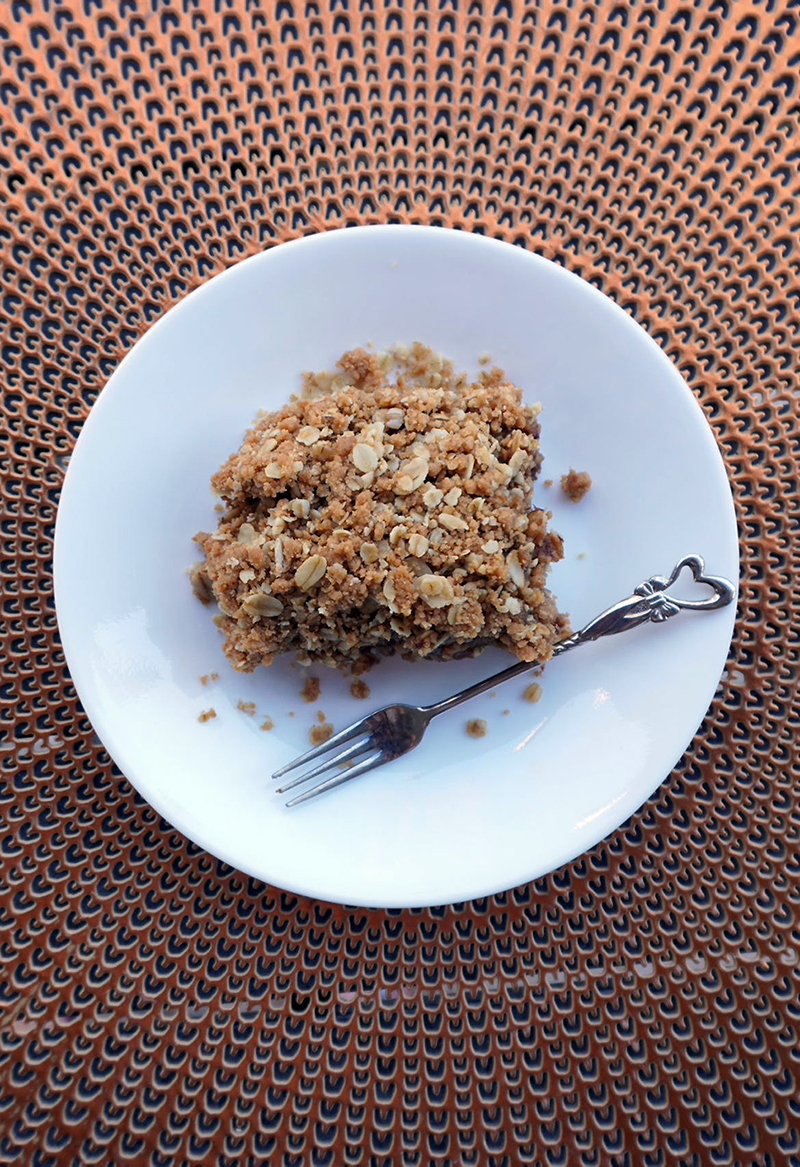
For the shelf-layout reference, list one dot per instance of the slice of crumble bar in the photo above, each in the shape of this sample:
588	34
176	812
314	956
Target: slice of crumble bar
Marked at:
385	515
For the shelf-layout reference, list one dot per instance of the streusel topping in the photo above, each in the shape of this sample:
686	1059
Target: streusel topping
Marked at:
384	516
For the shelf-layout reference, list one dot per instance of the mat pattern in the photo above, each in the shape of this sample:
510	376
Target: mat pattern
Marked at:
639	1007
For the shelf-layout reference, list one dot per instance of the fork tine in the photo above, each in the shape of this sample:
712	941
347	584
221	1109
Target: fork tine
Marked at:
344	735
358	747
339	779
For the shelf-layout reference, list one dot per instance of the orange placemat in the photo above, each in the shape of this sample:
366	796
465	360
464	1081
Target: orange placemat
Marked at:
638	1007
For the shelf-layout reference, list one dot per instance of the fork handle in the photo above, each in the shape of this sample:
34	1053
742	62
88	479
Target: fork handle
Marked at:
649	603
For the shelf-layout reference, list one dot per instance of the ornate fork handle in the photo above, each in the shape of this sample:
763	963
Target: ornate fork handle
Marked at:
650	602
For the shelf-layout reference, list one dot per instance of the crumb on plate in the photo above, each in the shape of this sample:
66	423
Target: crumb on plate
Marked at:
320	733
360	690
267	724
248	707
311	690
321	718
533	693
477	727
207	715
576	484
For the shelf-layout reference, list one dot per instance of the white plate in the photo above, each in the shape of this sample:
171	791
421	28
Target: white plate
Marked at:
458	818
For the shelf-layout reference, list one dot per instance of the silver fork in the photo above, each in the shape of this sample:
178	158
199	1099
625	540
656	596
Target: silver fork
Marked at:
390	732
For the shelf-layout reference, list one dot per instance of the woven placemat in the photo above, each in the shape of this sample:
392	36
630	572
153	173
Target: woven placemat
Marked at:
639	1007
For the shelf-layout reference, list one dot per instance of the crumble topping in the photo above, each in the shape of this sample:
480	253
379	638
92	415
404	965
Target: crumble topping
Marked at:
390	512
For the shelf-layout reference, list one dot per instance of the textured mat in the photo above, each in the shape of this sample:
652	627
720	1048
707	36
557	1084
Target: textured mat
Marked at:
639	1007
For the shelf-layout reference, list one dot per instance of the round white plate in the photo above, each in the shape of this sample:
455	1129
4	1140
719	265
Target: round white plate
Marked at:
459	817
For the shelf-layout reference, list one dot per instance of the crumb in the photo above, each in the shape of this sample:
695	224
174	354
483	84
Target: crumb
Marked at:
485	359
320	733
201	584
581	555
346	765
360	690
209	678
394	264
248	707
387	512
506	712
267	723
477	727
310	691
291	713
207	715
533	693
548	482
576	484
219	508
321	718
492	695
